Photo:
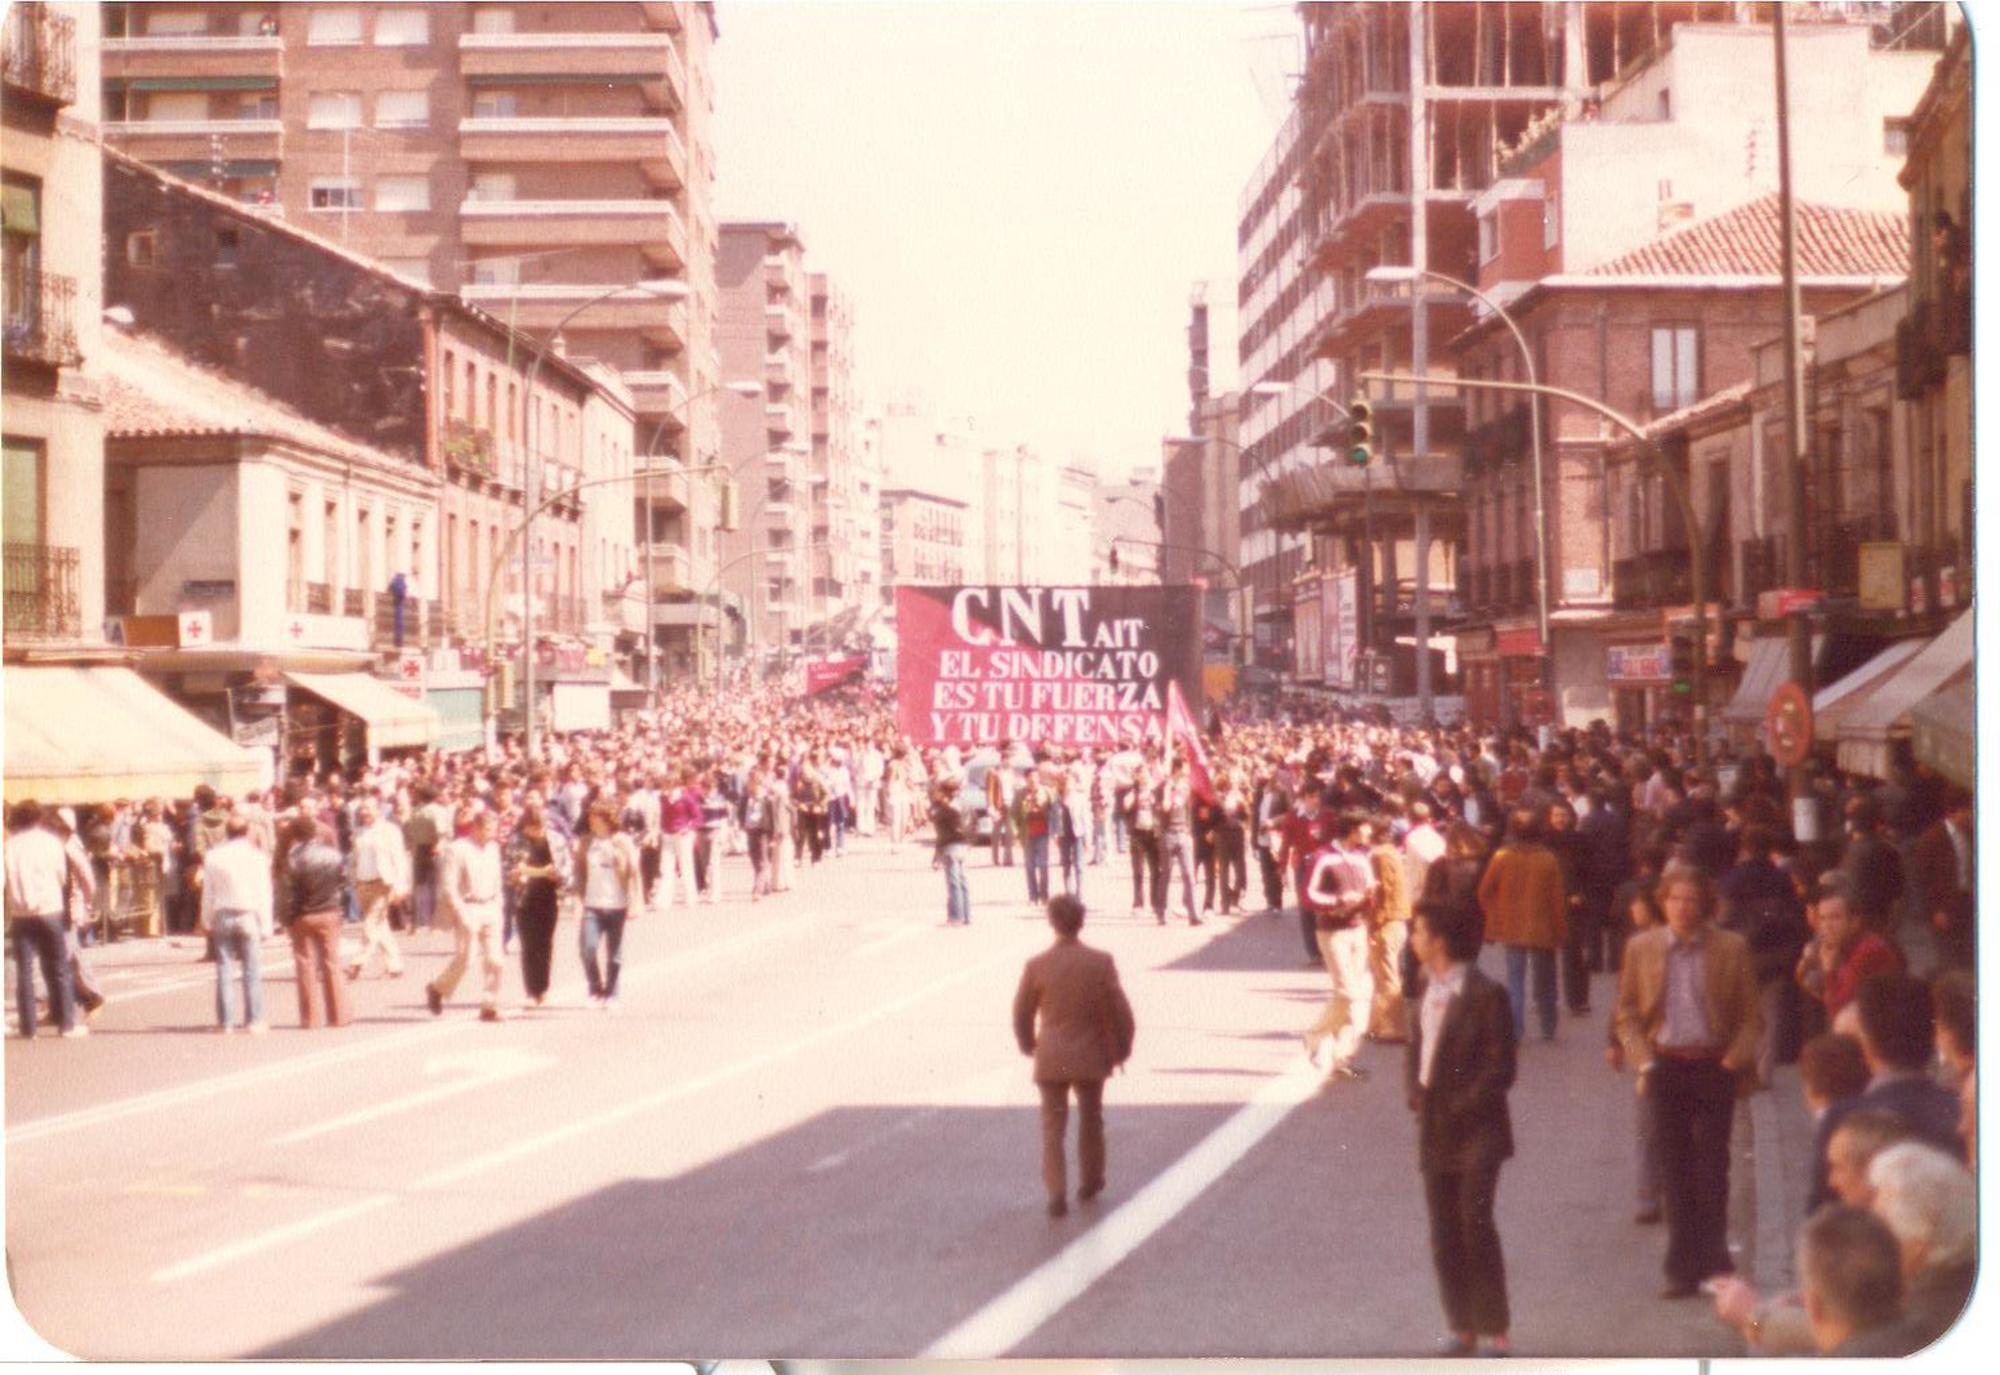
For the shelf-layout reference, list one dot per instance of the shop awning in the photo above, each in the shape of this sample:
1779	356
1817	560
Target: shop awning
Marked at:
393	720
98	733
1941	732
1838	701
1866	736
1770	664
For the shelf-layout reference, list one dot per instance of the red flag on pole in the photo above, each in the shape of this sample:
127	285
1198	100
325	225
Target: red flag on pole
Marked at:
1181	725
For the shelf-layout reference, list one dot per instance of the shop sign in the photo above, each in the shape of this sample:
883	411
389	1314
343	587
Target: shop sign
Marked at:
1788	724
197	628
1881	575
1524	643
1647	663
1780	602
1474	643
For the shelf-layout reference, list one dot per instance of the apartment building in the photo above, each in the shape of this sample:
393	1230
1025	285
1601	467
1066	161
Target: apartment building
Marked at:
1634	240
551	163
840	530
871	589
51	227
1201	532
438	384
923	540
765	333
918	452
1125	538
1068	559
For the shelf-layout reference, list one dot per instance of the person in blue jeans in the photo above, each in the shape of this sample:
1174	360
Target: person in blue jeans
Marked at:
950	830
1032	809
236	909
608	877
40	875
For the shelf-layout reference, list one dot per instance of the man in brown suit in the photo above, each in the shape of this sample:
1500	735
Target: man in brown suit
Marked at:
1086	1032
1688	1018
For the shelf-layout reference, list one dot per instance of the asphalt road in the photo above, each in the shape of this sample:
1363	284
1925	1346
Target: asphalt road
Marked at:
805	1132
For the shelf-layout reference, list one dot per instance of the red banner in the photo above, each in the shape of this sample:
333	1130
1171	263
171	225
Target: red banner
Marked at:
833	673
1072	666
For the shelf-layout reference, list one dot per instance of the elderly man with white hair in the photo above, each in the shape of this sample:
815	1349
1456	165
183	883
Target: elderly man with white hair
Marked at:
1930	1201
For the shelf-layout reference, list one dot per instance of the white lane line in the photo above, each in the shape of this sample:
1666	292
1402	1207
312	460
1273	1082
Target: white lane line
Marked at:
511	1066
1042	1293
480	1164
264	1241
893	938
119	1109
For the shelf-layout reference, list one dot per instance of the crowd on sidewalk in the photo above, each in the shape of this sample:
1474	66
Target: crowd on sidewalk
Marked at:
1734	944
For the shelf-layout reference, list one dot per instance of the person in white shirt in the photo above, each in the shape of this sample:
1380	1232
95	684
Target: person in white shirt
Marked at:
870	767
1421	847
40	873
608	875
236	910
469	880
379	868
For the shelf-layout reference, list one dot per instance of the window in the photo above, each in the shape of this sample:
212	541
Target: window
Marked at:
21	221
487	20
493	186
416	270
21	491
496	271
402	109
333	110
450	371
330	545
494	104
257	105
334	193
1489	238
257	24
141	248
228	246
176	105
1676	367
402	28
402	193
175	23
334	27
1666	103
1551	219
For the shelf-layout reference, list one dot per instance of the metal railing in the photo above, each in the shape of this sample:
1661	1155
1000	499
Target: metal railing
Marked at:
354	602
41	318
1659	577
319	599
40	53
44	598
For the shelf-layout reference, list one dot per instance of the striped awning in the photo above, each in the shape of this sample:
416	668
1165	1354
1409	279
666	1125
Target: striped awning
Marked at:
393	720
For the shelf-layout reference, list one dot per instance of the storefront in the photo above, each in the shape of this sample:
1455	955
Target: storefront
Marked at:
1641	677
459	699
1871	736
1481	668
344	720
1521	673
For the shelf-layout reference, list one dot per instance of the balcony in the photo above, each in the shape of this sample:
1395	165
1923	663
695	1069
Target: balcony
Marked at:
777	321
652	226
469	450
1500	441
647	58
38	59
44	596
663	481
538	306
1657	578
192	140
1378	305
658	392
1837	565
666	14
778	370
219	55
318	599
651	141
777	275
777	418
41	320
670	567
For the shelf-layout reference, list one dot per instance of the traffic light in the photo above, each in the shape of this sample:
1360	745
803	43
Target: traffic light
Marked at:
1680	661
730	502
1360	432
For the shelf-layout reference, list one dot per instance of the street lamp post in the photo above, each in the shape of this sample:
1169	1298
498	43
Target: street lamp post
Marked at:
1697	541
666	289
1389	275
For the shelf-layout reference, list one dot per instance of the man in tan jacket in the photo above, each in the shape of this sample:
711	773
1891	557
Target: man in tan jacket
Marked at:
1085	1032
1688	1020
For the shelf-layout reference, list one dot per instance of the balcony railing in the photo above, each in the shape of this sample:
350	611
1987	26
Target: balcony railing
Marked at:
40	53
44	598
1839	561
41	319
354	602
191	128
469	448
319	599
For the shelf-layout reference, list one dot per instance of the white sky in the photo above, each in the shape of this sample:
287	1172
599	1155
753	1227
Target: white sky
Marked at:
1017	197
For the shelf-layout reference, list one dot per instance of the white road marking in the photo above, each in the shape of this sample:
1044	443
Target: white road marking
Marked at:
488	1067
266	1240
480	1164
118	1109
1008	1320
909	930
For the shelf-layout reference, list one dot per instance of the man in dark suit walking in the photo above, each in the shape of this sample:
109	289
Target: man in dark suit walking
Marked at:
1085	1032
1460	1066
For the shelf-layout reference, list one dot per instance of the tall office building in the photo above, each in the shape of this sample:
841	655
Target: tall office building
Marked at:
839	532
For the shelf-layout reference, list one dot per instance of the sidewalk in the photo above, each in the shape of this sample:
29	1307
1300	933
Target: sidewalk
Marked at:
1774	1139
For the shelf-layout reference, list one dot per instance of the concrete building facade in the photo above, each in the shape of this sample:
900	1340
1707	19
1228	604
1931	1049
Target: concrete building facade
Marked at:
51	226
839	530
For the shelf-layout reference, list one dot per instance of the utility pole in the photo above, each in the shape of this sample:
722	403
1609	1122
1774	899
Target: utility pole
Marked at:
1420	342
1800	632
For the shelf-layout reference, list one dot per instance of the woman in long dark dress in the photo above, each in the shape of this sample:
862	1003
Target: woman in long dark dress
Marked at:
540	860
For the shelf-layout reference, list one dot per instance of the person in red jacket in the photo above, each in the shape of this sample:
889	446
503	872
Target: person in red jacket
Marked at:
1848	952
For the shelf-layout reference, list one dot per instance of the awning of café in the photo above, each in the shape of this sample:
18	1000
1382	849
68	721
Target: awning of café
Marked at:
96	733
1839	700
1941	735
1867	735
393	720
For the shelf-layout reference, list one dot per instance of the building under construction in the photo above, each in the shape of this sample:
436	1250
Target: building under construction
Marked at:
1405	113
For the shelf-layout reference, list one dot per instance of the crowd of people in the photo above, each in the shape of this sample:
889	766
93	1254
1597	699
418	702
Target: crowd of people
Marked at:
1727	942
